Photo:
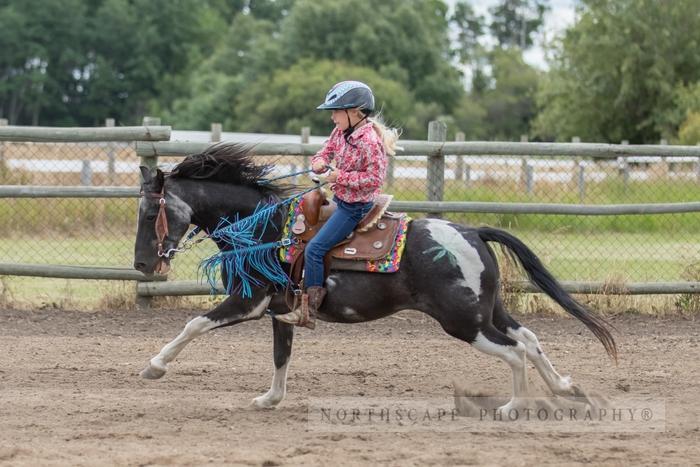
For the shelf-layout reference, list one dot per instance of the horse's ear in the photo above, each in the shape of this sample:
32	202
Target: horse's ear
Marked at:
146	174
160	179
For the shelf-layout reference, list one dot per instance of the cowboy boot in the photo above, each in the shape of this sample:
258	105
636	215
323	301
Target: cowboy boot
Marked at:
305	314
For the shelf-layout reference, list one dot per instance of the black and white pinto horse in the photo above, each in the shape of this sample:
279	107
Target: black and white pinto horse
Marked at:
459	289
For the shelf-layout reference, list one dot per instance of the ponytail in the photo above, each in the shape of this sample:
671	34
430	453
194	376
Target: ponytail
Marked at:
388	135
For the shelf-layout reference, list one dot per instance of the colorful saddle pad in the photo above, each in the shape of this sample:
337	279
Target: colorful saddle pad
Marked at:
387	263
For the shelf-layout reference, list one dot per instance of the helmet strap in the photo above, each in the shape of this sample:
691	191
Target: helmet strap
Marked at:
351	128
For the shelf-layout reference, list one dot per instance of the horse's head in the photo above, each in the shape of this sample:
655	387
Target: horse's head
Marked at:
163	220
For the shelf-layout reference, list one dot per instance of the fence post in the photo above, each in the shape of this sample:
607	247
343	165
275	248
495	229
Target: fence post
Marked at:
529	178
215	133
86	174
437	132
459	169
150	161
624	166
144	303
305	137
581	181
581	174
111	156
666	166
391	163
3	122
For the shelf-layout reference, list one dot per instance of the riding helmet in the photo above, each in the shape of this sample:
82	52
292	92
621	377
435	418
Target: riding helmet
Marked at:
349	95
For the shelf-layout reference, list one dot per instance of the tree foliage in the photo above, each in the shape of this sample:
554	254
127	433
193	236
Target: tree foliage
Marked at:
516	21
626	70
262	68
75	62
689	132
287	100
619	70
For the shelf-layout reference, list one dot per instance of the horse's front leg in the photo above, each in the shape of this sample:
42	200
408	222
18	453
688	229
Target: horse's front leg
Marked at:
283	334
231	311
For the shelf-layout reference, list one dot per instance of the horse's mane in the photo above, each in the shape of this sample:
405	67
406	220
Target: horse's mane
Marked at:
229	163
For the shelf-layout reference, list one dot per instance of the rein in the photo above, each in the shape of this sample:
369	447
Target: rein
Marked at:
161	224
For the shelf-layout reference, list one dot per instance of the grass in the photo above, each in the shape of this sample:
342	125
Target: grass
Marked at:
104	250
602	256
635	248
608	192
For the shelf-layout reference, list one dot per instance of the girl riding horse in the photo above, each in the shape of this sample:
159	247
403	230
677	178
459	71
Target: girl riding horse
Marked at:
358	145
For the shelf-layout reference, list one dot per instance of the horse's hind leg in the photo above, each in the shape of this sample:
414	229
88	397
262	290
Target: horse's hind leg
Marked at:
490	340
559	385
231	311
283	335
493	342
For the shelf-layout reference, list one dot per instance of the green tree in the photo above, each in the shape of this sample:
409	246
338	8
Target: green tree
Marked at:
510	104
470	28
618	71
689	132
411	35
470	118
516	21
243	55
286	100
43	60
75	62
686	102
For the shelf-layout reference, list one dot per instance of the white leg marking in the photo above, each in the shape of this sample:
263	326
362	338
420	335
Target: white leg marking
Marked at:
277	391
159	364
514	356
463	253
196	327
258	310
559	385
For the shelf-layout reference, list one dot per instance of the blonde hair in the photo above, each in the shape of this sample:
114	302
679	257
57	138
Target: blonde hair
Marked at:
388	135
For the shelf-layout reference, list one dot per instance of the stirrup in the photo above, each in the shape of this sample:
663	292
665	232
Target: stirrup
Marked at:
300	316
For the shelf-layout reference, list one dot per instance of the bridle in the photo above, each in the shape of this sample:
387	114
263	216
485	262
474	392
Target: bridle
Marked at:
161	227
161	224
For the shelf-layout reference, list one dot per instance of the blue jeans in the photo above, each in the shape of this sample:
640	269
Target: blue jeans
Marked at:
339	225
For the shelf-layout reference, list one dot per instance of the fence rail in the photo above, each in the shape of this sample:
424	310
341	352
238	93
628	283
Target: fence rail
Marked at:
65	135
615	161
179	288
36	191
28	191
447	148
76	272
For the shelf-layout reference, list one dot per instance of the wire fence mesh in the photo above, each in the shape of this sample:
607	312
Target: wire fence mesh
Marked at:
623	247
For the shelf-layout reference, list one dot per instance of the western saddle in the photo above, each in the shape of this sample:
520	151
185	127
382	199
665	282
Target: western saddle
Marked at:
372	239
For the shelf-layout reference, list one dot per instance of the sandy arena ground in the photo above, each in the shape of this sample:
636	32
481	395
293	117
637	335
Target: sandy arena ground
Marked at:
70	392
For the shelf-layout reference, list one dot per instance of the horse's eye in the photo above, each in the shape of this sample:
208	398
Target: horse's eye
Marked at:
151	217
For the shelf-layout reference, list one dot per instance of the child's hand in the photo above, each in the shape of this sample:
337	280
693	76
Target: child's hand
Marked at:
318	167
332	176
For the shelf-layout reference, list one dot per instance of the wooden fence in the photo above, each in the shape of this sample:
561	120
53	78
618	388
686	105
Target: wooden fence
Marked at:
77	135
151	144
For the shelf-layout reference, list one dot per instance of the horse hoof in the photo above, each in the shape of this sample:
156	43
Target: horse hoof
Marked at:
263	403
511	409
151	372
564	387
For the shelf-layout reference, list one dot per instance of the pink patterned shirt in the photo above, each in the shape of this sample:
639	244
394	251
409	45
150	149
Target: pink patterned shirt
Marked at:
361	168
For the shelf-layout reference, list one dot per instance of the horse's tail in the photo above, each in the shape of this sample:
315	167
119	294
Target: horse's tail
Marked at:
549	285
